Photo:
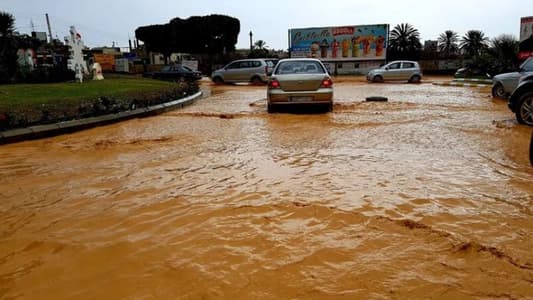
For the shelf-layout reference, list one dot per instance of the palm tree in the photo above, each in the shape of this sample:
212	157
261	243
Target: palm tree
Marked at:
7	24
448	43
504	50
260	44
473	43
8	47
404	42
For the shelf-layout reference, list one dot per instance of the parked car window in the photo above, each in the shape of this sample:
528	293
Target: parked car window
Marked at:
527	66
165	69
394	66
408	65
234	65
187	69
245	64
256	63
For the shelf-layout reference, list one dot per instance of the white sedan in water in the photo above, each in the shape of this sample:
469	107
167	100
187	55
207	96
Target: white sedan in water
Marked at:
300	81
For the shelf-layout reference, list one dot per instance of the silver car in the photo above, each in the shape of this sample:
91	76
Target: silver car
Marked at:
396	70
245	70
504	84
300	81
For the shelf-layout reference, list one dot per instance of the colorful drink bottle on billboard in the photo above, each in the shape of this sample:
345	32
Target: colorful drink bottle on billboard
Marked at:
314	49
355	46
335	48
324	45
367	40
380	43
345	47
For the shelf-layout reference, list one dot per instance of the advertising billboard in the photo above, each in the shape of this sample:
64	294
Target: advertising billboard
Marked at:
106	61
344	43
526	37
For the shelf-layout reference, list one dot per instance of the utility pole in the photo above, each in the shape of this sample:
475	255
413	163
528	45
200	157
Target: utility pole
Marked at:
49	28
251	46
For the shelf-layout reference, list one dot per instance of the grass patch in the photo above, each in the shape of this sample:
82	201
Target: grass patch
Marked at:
23	105
16	95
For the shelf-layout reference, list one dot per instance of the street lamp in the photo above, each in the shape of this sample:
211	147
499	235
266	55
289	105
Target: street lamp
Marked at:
251	46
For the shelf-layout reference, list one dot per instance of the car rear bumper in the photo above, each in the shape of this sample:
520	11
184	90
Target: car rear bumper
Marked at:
321	96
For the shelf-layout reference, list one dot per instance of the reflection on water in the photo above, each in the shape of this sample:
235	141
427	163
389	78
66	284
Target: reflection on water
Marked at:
427	195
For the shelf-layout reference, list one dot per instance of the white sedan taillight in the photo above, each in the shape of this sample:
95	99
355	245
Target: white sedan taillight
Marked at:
274	84
326	83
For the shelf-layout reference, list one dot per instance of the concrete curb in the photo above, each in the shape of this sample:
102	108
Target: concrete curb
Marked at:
40	131
461	84
473	80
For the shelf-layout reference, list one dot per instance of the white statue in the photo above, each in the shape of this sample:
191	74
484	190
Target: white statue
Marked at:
21	57
30	58
76	62
96	69
25	58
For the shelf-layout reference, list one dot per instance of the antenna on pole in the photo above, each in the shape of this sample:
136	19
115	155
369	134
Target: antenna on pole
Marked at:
49	28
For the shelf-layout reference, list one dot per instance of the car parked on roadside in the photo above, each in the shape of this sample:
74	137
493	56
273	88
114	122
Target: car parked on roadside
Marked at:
402	70
254	70
504	84
531	150
300	81
175	72
521	100
471	72
271	64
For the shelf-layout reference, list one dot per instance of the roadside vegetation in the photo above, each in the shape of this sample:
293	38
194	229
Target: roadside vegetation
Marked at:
24	105
492	56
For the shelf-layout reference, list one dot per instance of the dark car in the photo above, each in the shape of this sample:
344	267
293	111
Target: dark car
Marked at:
521	101
504	84
470	72
174	72
531	150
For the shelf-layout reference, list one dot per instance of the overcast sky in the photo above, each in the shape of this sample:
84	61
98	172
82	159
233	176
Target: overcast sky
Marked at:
103	22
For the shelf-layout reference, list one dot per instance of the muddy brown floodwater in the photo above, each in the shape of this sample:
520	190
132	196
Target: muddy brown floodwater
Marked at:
426	196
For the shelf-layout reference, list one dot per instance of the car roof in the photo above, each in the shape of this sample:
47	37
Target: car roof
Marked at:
397	61
300	59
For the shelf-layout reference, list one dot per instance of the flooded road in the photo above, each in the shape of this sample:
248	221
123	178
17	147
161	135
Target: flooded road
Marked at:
428	195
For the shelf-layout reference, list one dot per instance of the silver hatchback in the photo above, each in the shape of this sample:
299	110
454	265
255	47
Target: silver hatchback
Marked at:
396	70
245	70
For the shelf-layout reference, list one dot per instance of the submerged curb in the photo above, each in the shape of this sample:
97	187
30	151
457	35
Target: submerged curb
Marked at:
40	131
473	80
461	84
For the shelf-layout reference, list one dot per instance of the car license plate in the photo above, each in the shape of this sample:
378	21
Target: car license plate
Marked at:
301	98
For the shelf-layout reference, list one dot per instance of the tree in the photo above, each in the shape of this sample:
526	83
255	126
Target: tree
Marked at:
260	44
7	24
448	43
504	53
8	48
404	42
213	34
473	43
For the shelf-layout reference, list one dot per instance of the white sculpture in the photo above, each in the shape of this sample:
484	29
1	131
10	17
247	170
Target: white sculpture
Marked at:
96	69
76	62
26	58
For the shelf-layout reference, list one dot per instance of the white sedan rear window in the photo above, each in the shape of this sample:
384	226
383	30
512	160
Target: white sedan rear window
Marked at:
299	67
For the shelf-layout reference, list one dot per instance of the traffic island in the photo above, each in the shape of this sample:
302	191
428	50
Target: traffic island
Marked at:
25	117
40	131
